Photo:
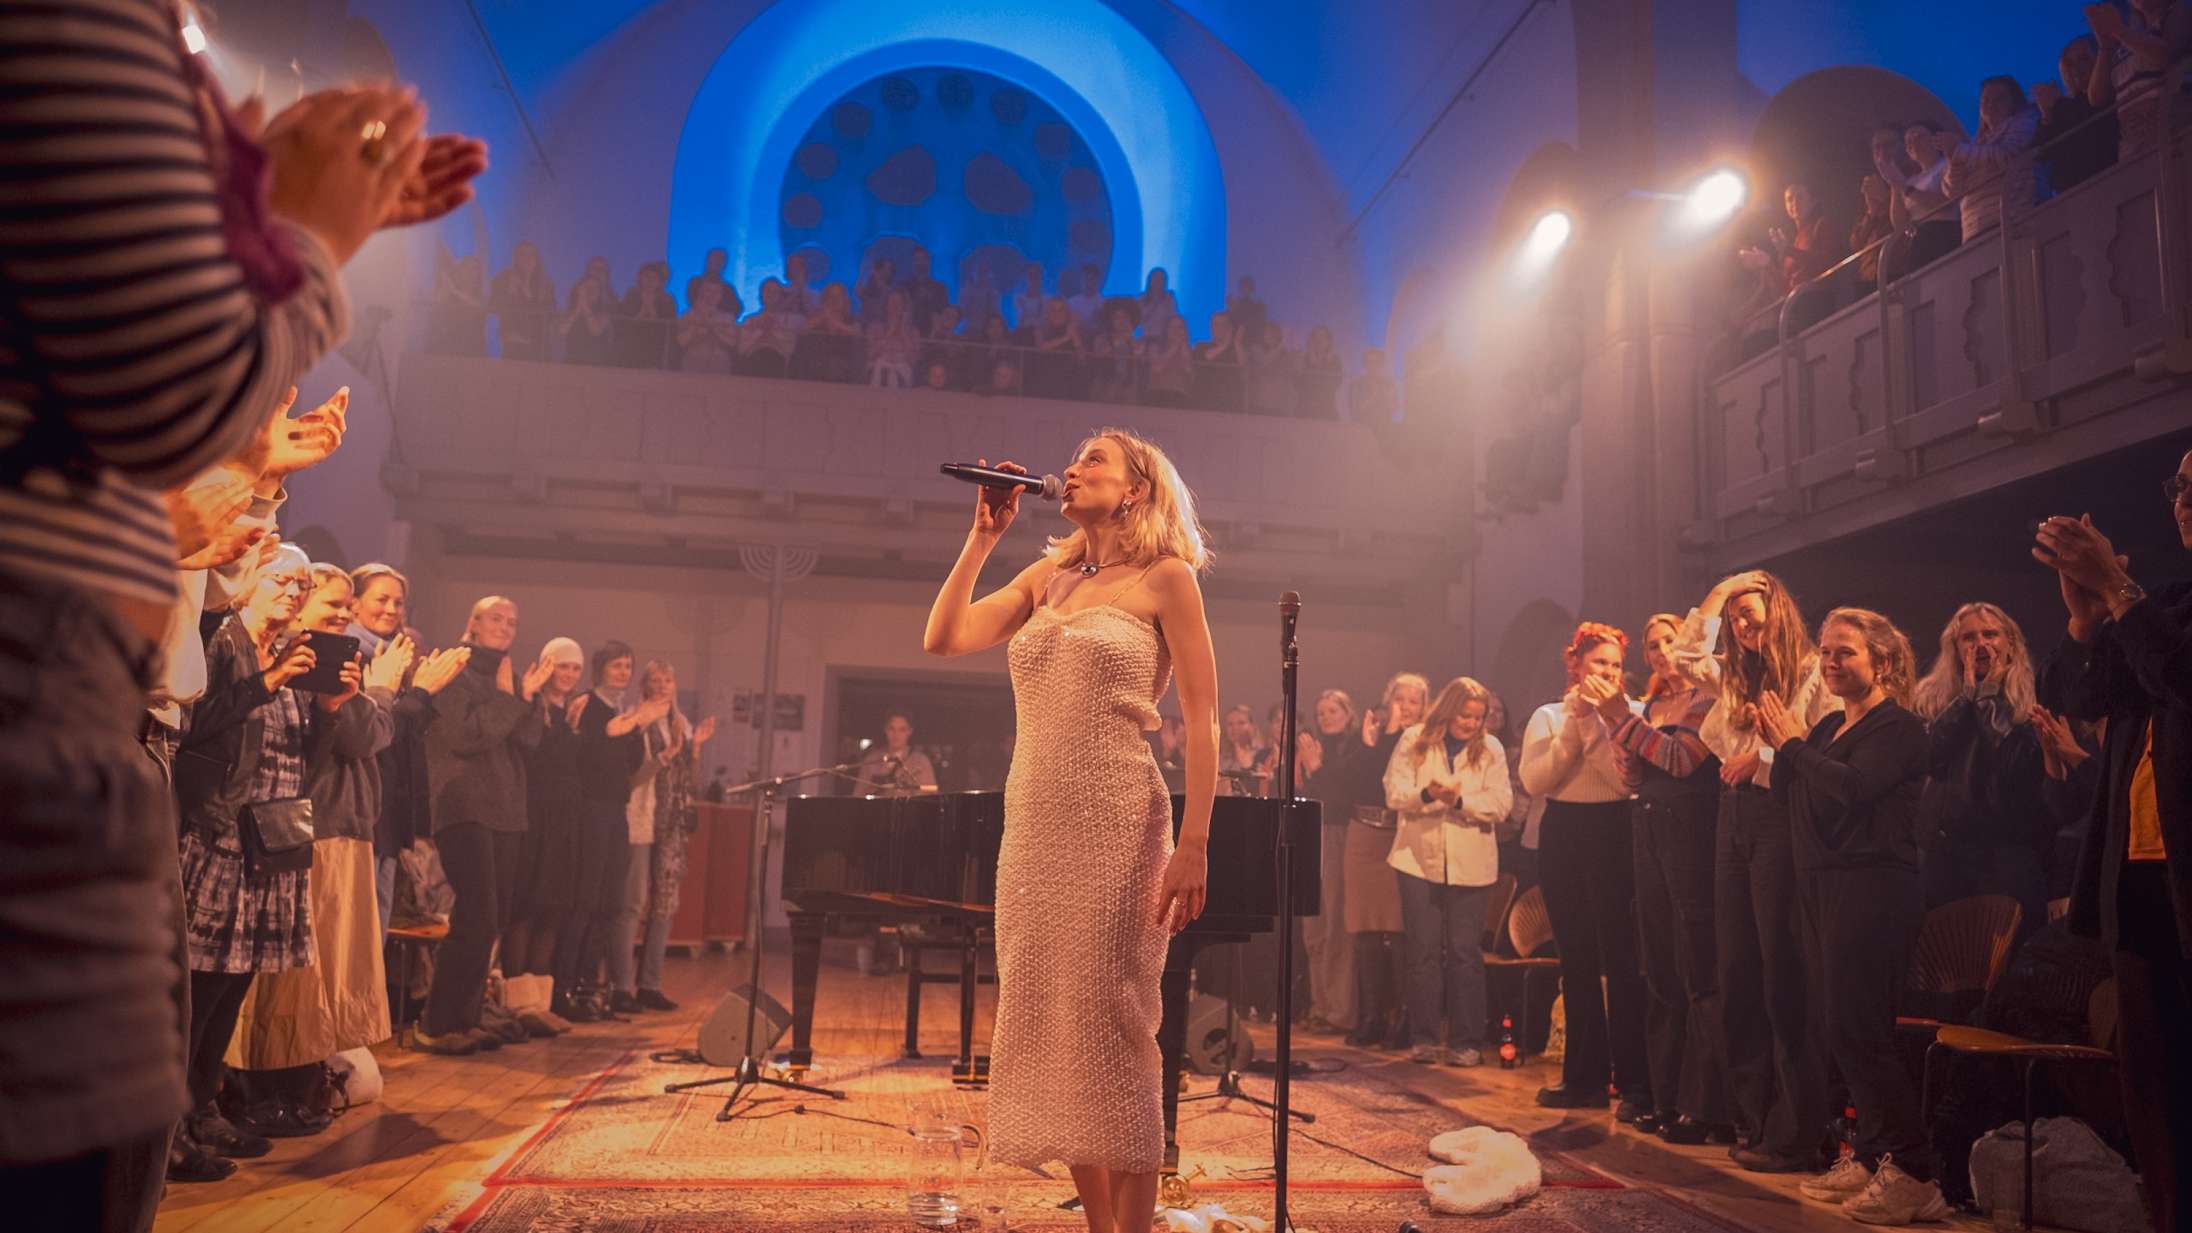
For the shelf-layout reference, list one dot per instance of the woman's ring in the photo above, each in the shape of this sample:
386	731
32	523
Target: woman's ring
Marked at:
374	147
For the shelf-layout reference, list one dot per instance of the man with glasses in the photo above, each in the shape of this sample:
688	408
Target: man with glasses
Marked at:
2128	661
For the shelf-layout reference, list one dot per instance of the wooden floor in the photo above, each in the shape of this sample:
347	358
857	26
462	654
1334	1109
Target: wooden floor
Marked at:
392	1166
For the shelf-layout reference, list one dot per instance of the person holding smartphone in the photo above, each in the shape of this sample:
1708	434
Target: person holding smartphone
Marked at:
246	748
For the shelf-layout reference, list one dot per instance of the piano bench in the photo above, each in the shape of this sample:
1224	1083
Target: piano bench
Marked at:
968	945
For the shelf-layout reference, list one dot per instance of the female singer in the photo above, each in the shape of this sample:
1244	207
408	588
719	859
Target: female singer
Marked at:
1090	884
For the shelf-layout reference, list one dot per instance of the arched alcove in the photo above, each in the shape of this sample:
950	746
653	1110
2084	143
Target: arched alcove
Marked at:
777	77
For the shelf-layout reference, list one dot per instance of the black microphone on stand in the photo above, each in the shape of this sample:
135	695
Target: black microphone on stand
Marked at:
1045	486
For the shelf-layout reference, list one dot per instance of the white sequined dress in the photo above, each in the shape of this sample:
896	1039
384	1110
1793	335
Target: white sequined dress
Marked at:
1075	1074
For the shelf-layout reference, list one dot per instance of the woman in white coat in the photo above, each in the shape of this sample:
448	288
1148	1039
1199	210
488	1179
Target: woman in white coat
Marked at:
1448	783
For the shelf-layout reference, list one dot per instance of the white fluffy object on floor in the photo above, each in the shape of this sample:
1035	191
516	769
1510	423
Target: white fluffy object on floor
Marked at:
1485	1170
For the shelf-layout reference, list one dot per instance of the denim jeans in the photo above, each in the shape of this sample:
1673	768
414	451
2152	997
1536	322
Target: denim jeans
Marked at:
1445	961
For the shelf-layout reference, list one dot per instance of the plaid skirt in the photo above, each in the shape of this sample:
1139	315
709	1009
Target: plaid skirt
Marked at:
239	924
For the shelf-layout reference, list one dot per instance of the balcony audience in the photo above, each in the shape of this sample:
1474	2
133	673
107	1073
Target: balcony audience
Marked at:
2077	139
1990	177
524	300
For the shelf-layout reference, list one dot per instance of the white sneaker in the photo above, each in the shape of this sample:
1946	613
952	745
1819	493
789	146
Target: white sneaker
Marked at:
1895	1197
1463	1057
1426	1055
1845	1181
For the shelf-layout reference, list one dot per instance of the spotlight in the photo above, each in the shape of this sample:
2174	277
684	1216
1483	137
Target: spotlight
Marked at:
1713	200
1548	235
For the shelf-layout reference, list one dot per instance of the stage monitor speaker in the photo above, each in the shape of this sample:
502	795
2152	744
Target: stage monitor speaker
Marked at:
723	1034
1206	1044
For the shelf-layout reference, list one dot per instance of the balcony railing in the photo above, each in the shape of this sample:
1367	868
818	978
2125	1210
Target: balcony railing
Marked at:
2028	329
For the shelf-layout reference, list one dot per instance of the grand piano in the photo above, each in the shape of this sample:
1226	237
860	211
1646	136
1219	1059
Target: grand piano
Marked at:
931	861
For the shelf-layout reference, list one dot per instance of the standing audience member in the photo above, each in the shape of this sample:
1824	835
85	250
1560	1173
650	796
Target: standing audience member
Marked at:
2139	67
292	1021
587	328
829	339
1274	373
712	267
1985	821
1117	371
524	300
240	780
1054	369
1243	757
543	908
1321	766
1028	301
377	623
660	816
925	292
1851	789
646	318
233	262
1170	370
610	752
1676	802
1373	917
1918	208
2076	139
457	322
1320	377
768	339
1220	368
1448	783
1158	303
1776	1073
708	334
2126	661
1874	230
893	343
1248	312
1087	302
874	290
475	767
1585	866
1990	176
1800	254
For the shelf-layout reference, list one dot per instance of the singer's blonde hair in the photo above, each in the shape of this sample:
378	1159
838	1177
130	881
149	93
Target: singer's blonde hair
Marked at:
1161	524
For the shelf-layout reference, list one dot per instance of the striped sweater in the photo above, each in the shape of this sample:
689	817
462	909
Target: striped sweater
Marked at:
133	352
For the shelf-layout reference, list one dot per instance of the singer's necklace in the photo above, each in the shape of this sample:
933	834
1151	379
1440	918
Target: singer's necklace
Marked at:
1089	569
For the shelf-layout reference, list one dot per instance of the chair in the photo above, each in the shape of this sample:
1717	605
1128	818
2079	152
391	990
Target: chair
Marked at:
2100	1028
1529	929
1496	904
1960	952
408	939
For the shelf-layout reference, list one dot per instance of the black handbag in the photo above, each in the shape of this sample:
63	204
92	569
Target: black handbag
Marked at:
277	836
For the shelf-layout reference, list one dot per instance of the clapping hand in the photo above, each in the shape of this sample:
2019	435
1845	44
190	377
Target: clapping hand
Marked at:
536	675
703	733
227	548
1774	722
1740	769
203	510
577	709
2060	751
295	443
1606	697
440	668
441	183
388	668
1577	703
2086	563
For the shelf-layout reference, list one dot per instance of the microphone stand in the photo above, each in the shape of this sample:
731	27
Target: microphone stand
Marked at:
1281	1125
748	1073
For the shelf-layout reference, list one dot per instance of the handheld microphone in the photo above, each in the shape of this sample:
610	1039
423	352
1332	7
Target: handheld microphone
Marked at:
1045	486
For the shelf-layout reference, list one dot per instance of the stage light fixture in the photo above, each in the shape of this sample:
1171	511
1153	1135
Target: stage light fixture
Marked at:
1547	237
1714	199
